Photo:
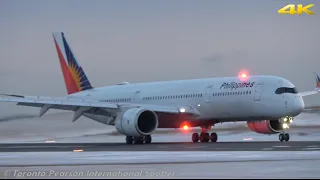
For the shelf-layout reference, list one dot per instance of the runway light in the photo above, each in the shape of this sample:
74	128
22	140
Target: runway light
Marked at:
77	150
50	141
247	139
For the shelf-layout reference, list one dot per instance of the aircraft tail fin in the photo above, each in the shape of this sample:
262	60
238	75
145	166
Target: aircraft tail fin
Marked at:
317	81
74	76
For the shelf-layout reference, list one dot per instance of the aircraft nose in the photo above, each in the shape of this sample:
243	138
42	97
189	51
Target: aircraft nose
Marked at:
298	105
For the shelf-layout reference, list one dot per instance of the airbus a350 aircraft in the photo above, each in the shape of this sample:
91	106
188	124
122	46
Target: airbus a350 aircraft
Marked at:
267	103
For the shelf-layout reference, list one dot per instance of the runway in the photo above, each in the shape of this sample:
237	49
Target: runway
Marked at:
156	164
56	148
174	146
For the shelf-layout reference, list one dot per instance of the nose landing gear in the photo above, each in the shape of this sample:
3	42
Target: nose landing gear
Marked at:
284	137
286	121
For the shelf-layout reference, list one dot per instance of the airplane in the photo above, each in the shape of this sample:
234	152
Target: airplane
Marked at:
267	103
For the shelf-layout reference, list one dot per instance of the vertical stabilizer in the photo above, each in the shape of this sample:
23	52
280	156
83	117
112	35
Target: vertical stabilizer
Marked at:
74	76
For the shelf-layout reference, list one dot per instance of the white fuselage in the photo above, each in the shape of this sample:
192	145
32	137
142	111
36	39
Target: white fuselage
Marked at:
222	99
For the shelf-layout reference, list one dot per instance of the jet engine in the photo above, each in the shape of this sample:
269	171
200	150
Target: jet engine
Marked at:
136	122
266	126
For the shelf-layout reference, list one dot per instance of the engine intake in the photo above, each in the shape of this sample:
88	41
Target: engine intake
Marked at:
137	122
265	126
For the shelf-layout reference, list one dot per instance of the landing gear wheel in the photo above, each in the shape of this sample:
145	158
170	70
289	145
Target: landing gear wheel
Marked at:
286	137
129	139
281	137
195	137
138	140
213	137
147	139
204	137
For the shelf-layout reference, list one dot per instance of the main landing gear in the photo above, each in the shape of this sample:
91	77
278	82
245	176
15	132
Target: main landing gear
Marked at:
139	140
284	137
204	136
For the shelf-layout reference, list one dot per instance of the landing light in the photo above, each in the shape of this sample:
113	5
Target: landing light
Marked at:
285	126
290	120
182	110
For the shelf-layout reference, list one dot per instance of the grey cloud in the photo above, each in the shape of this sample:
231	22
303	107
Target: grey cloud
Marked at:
215	58
116	43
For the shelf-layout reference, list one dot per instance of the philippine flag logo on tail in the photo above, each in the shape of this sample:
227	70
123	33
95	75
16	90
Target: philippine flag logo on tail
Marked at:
74	76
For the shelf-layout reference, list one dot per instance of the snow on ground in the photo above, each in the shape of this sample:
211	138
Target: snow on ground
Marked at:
60	126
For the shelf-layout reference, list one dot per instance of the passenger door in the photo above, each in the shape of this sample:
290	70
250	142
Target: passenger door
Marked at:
208	94
136	96
258	92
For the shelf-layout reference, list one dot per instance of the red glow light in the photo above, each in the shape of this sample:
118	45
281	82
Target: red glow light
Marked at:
185	127
243	75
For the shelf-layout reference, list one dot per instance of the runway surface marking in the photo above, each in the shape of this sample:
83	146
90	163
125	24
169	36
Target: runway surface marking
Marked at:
25	159
172	146
311	148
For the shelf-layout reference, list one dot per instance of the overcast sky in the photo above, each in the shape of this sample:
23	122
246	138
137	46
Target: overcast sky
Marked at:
143	40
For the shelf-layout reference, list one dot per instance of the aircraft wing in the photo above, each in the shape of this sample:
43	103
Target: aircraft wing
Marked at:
308	93
85	105
316	90
62	103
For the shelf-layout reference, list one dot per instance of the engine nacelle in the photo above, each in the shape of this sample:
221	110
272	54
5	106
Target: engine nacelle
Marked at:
265	126
137	122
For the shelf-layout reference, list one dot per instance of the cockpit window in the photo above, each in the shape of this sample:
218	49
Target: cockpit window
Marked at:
282	90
